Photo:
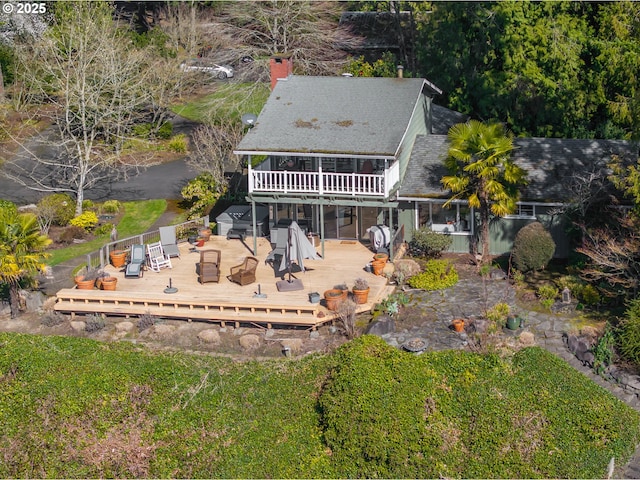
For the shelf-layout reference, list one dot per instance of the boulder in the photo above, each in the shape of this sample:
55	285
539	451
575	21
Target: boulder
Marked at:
162	331
209	336
383	325
78	325
124	327
293	344
581	347
250	341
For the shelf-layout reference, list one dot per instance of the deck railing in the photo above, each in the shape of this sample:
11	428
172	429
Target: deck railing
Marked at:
324	183
100	257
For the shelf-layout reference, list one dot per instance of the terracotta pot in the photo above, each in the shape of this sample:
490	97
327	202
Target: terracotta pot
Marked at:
360	296
83	284
458	325
118	258
381	257
205	233
109	283
378	266
200	242
334	297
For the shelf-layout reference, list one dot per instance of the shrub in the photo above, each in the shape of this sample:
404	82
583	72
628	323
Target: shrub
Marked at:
87	204
498	313
427	243
146	320
547	295
200	193
603	352
111	206
590	295
69	234
7	206
628	332
347	318
104	229
58	207
178	144
86	220
533	248
94	323
51	319
166	130
438	274
142	130
360	284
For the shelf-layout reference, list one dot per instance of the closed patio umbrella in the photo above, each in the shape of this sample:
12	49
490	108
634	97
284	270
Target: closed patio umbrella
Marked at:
298	249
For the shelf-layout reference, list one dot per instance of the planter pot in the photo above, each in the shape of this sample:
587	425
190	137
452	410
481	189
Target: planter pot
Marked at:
514	323
192	239
360	296
109	283
333	298
314	297
205	233
83	284
381	257
200	242
378	266
458	325
118	258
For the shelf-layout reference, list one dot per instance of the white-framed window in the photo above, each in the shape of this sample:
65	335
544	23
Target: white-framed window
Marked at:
455	218
523	210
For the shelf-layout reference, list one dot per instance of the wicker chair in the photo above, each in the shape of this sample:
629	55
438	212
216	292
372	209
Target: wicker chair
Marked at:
209	266
245	273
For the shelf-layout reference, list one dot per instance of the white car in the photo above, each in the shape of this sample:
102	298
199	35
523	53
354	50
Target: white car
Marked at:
220	71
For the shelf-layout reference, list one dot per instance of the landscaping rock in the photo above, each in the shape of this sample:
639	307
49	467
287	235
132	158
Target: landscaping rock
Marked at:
162	331
314	334
527	339
78	325
124	327
250	341
293	344
209	336
33	300
383	325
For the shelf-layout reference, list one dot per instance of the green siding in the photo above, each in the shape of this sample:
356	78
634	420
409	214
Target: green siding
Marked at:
417	126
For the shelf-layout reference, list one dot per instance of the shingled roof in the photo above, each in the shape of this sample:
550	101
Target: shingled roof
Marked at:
549	162
336	116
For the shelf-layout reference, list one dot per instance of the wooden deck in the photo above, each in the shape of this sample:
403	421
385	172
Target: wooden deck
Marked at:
227	302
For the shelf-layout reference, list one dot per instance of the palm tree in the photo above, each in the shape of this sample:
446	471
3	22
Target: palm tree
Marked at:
21	252
481	172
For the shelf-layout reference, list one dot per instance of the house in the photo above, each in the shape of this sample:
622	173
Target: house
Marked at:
551	165
332	150
342	154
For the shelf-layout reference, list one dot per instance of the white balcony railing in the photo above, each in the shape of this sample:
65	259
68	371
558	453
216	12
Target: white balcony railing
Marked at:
324	183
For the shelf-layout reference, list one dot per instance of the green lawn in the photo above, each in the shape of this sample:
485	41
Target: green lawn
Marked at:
227	104
137	218
77	408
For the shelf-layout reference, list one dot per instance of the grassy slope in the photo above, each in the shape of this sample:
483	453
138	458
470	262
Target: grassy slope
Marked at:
78	408
137	218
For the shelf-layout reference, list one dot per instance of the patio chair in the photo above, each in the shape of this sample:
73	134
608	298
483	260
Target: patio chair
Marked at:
208	268
168	240
136	262
157	259
245	273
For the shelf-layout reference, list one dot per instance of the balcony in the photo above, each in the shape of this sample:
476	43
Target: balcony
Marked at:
324	183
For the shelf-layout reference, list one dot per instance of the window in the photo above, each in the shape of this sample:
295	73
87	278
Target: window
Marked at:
453	218
523	210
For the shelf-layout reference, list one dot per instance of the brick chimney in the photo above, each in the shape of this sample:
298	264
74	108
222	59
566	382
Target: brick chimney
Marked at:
280	66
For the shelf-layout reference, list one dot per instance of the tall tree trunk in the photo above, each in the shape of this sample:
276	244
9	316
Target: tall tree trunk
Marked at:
484	231
14	300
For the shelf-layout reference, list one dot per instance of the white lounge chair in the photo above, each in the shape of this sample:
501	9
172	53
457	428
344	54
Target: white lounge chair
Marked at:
157	258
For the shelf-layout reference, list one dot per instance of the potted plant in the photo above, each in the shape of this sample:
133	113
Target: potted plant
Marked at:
458	325
100	276
333	297
87	280
118	258
109	283
360	291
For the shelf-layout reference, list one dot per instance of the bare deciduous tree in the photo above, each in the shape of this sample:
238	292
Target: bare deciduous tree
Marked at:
94	82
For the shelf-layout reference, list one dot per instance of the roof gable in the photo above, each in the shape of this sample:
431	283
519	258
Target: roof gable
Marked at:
336	115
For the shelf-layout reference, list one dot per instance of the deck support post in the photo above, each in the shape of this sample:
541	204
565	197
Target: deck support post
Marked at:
390	234
254	225
322	228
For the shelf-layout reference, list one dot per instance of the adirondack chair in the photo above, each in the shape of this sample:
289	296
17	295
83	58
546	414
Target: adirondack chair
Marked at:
157	259
136	262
